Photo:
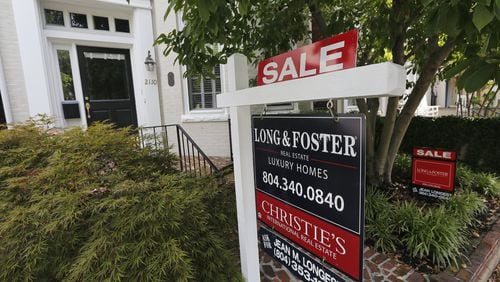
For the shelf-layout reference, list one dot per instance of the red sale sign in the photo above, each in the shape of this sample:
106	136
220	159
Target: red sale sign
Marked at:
433	172
331	54
336	246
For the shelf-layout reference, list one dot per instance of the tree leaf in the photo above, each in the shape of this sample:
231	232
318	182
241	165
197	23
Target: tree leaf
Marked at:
486	43
467	73
243	7
481	17
479	78
496	10
427	2
203	10
456	69
450	25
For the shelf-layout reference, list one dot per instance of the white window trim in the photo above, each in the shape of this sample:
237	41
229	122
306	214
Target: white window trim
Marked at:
89	13
203	115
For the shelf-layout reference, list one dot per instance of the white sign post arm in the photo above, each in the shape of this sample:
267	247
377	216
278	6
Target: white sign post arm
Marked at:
241	138
379	80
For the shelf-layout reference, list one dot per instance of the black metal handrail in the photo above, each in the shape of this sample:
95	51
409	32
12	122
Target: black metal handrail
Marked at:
192	159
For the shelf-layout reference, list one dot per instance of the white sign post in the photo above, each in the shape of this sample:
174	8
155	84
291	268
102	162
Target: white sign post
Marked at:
385	79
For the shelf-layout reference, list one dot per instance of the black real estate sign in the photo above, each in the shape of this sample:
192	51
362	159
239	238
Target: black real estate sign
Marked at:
310	183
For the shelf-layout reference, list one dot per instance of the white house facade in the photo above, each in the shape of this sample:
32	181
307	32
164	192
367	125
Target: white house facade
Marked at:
83	61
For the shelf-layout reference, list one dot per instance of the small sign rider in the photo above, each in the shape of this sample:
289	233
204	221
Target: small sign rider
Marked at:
433	172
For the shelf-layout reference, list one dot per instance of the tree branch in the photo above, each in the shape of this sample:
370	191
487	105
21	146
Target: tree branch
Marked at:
398	33
363	108
317	17
429	70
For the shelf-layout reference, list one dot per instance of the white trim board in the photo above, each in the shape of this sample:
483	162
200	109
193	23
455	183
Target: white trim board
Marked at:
384	79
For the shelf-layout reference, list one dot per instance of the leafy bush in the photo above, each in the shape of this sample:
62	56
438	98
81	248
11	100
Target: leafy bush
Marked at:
402	168
465	207
434	232
380	224
92	206
481	182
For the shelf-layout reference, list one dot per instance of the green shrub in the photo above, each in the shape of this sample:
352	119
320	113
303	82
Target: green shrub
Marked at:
464	177
402	167
433	233
481	182
487	184
379	217
437	232
465	207
93	206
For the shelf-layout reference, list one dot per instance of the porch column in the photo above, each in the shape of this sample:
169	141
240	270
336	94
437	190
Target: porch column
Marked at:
145	82
31	48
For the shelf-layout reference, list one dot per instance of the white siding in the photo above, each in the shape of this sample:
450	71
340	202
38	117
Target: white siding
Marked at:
11	61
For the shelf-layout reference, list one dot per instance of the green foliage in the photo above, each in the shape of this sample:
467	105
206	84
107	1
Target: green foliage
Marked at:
93	206
435	232
465	207
432	233
475	140
380	224
481	182
402	167
261	29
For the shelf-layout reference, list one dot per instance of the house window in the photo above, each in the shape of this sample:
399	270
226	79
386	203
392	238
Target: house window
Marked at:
101	23
122	25
54	17
66	75
78	20
203	91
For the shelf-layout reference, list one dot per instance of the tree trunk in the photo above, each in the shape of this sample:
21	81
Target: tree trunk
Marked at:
370	109
403	121
385	138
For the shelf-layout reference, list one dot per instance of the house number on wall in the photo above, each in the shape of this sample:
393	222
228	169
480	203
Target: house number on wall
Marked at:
150	82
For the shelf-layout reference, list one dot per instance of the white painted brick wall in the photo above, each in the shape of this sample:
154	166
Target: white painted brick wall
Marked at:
11	60
212	137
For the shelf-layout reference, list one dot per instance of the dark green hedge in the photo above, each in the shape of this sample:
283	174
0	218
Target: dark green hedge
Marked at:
475	140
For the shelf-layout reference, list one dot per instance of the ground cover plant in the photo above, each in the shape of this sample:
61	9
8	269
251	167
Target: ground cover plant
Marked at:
429	234
93	206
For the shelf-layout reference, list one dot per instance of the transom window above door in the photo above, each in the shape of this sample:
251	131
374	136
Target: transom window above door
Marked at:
68	18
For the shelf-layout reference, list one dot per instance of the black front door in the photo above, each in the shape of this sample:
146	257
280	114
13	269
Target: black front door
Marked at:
107	85
2	113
